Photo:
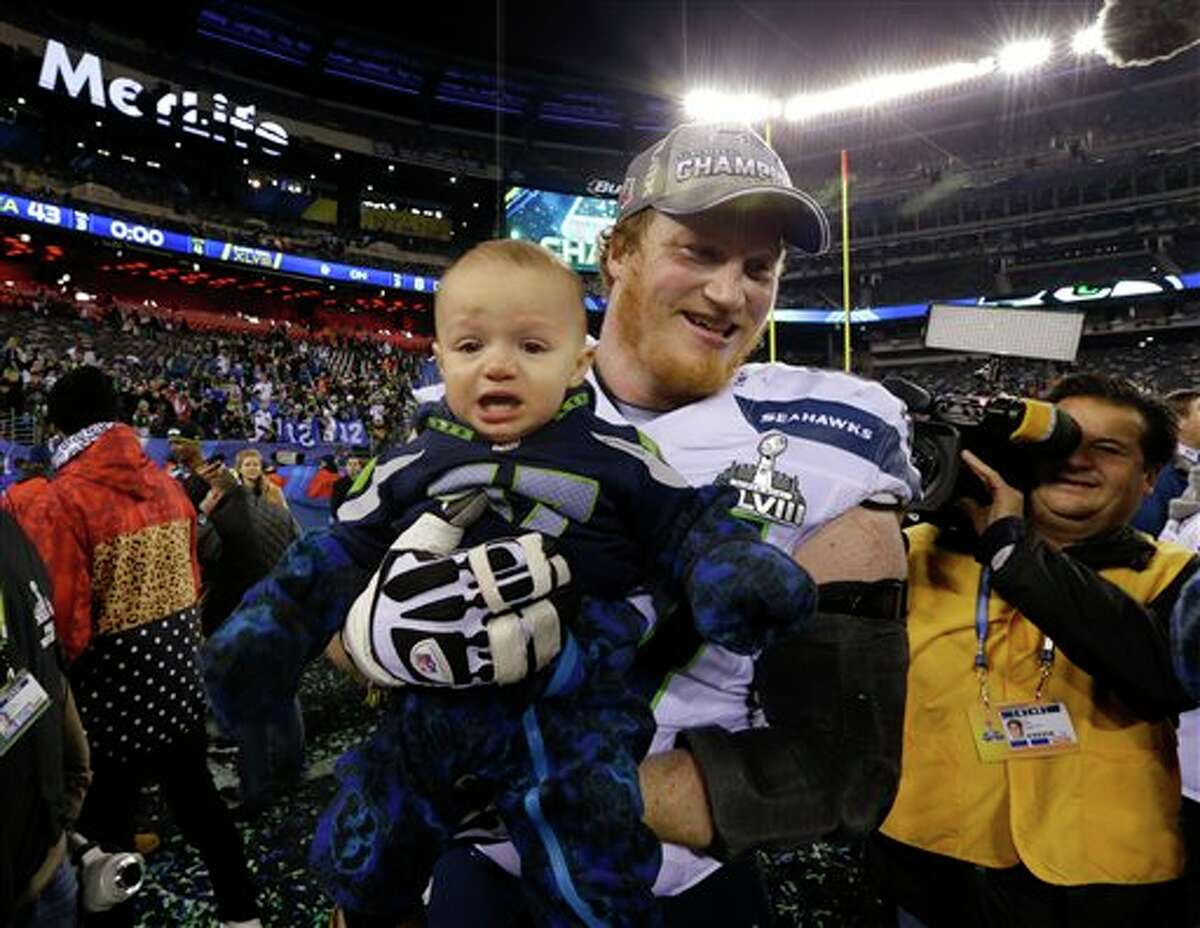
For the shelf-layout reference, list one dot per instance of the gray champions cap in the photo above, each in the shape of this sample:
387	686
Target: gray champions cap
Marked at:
702	165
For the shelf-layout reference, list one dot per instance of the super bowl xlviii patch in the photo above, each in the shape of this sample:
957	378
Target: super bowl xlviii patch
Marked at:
763	492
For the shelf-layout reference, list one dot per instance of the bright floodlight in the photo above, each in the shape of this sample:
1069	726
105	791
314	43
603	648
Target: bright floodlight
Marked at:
1024	56
713	106
1089	41
884	89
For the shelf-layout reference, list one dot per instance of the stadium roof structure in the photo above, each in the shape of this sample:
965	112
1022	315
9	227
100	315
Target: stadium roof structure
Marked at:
606	73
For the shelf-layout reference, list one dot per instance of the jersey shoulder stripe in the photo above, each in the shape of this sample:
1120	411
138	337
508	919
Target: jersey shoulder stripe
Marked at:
832	409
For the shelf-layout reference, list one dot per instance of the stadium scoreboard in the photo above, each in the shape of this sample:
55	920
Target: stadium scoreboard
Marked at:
566	224
149	236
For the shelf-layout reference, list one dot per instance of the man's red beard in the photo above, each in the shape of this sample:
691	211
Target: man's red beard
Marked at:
680	377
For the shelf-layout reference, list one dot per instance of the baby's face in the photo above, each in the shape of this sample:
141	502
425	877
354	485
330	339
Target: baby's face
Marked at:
510	342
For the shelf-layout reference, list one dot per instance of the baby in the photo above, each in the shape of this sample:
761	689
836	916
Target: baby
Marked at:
459	606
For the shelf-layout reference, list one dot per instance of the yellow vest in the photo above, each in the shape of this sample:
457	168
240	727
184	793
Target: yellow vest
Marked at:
1107	813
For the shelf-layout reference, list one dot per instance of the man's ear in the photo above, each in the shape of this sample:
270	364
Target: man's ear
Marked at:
1149	479
583	363
437	356
616	260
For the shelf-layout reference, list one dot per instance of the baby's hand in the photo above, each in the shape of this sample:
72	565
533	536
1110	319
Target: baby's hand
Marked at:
747	594
485	615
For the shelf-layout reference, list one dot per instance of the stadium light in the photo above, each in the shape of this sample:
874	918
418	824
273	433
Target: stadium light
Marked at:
20	101
886	88
714	106
1016	57
1089	41
706	105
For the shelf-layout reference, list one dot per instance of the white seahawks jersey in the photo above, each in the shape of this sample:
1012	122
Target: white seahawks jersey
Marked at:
802	446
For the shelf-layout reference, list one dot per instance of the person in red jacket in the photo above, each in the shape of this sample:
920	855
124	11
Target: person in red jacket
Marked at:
118	536
321	485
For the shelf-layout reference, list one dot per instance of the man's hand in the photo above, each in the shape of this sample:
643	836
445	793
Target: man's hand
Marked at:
217	476
209	503
1005	500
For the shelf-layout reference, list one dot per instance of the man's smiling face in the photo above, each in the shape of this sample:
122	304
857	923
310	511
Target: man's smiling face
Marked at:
1102	484
689	302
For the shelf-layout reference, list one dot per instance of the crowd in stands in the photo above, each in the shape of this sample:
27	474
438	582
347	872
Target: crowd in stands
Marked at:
1159	367
238	384
232	385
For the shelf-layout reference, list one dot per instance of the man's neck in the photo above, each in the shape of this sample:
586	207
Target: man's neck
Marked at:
626	381
1056	540
1066	534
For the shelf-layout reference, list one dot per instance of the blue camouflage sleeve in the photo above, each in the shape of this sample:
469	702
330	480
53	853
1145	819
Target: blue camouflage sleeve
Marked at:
745	594
253	662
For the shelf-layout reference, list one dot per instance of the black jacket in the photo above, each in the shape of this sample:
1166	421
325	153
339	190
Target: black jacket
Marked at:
31	772
243	539
1121	643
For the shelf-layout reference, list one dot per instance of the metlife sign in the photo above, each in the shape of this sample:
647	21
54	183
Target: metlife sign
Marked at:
234	124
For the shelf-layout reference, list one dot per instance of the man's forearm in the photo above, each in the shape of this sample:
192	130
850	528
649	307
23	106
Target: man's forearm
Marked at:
1103	630
816	684
862	545
676	802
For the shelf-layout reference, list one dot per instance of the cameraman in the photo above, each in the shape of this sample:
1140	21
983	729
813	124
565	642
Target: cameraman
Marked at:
1036	609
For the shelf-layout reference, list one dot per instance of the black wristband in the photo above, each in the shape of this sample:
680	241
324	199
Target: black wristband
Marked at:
999	535
880	599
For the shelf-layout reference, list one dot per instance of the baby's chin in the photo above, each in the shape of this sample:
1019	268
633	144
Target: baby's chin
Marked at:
504	435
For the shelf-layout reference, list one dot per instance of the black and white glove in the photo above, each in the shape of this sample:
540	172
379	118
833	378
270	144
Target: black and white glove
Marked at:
435	616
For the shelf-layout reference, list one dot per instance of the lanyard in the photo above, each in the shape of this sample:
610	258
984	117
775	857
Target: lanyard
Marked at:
8	668
1045	655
